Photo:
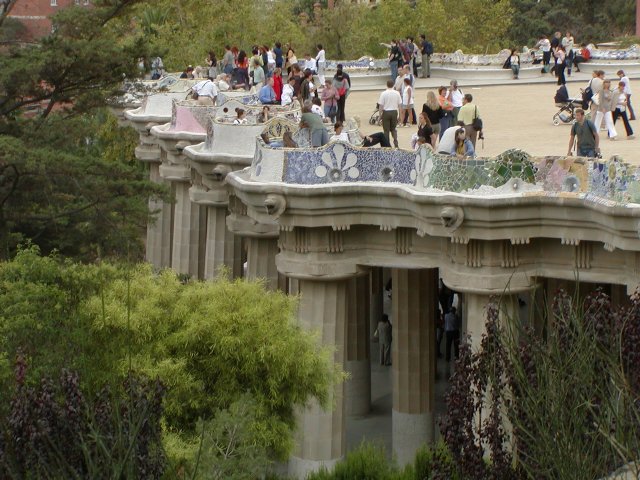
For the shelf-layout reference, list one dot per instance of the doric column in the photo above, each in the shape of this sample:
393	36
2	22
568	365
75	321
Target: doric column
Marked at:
223	248
184	257
476	314
158	251
376	298
321	432
414	298
358	385
261	260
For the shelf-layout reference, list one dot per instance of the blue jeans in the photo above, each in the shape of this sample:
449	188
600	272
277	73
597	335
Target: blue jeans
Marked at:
445	122
586	152
394	69
331	111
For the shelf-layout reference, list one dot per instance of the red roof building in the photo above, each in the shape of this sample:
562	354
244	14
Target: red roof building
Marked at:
34	15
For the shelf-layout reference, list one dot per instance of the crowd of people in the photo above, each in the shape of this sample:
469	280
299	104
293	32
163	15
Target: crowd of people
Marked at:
605	101
449	122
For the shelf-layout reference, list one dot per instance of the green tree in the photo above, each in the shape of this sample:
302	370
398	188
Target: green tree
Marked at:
211	343
69	177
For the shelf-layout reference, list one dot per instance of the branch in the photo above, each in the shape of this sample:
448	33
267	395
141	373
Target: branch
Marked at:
13	186
5	8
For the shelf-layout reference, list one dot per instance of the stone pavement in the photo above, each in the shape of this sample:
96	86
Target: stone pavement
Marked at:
515	115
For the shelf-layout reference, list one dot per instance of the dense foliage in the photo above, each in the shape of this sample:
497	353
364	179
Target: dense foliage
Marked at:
350	31
53	430
68	177
212	344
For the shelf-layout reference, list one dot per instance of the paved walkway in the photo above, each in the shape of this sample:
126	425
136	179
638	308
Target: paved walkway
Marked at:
516	114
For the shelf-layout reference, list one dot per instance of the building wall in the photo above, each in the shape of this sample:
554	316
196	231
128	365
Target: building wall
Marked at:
34	14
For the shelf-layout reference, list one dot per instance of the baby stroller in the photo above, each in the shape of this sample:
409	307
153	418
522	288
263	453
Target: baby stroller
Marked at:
376	118
567	106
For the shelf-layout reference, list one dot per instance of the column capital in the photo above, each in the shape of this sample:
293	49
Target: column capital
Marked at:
306	267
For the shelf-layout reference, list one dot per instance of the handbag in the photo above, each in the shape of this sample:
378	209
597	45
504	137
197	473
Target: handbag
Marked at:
477	122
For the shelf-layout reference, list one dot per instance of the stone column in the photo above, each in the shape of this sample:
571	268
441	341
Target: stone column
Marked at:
321	440
184	257
358	385
376	298
158	251
223	247
414	296
261	260
476	314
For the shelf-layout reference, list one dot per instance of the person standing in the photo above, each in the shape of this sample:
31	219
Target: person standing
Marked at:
584	131
567	44
277	53
407	103
434	112
277	83
395	59
426	48
389	105
452	334
329	97
606	102
447	108
258	74
455	96
212	63
227	60
627	91
385	338
545	45
321	63
621	110
514	61
468	113
555	43
341	84
561	64
288	91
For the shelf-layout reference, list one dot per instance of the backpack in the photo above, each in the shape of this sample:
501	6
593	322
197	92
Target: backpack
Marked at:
428	48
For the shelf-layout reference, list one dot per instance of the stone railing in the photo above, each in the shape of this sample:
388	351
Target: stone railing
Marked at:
512	172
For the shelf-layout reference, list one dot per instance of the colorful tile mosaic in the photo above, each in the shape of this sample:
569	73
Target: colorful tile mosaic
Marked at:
511	172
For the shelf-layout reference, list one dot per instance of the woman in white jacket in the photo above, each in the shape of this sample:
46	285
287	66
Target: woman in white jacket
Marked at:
606	102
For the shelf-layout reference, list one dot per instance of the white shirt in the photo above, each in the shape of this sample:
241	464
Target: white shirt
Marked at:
407	96
567	43
240	121
310	64
223	86
344	137
545	45
317	110
320	57
390	100
287	94
206	88
270	57
627	85
456	97
448	140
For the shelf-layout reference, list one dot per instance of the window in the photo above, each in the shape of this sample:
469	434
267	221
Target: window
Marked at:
77	2
86	2
54	3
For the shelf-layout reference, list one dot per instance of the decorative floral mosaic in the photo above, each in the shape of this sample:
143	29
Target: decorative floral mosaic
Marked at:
513	171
